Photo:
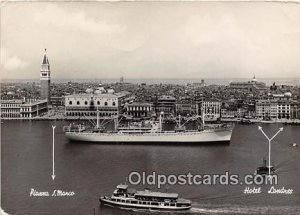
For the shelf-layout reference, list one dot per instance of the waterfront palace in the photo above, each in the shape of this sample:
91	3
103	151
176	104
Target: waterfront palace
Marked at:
88	104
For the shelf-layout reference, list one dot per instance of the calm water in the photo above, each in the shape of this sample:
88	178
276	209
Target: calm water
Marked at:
91	170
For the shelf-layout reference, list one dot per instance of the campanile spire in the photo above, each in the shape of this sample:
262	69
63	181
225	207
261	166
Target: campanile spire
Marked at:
45	78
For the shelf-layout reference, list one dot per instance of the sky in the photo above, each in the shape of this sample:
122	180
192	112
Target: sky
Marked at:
175	40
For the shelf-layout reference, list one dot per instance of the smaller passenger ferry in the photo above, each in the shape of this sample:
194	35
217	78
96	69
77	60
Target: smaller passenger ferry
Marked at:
125	198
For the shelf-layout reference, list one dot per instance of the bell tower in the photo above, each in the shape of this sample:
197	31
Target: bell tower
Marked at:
45	78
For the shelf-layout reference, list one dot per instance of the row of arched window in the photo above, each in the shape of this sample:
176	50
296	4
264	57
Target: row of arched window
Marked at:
91	114
92	103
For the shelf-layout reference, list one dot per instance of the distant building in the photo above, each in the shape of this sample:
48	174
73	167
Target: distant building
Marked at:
45	78
228	113
197	84
108	105
100	90
185	109
242	112
266	109
166	104
280	97
239	113
212	110
33	108
276	109
139	110
23	108
11	108
250	85
57	101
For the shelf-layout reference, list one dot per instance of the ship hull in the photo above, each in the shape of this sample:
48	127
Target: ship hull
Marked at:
221	135
107	201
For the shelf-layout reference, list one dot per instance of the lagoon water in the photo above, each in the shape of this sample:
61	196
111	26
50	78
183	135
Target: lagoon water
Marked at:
90	170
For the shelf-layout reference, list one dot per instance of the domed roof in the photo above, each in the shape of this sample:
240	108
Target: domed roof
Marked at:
110	91
89	90
288	94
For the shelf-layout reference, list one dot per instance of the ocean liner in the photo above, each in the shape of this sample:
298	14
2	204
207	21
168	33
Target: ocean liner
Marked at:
125	198
150	131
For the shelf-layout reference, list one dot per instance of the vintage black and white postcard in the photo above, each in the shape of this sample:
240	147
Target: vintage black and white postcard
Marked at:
150	107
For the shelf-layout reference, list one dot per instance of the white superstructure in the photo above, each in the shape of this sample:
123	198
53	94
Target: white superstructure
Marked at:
211	135
124	198
151	131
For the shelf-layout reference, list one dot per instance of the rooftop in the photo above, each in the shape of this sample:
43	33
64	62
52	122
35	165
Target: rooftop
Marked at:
147	193
88	95
166	98
13	101
34	102
139	104
122	186
22	102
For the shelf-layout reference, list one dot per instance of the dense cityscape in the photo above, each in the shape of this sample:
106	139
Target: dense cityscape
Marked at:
239	101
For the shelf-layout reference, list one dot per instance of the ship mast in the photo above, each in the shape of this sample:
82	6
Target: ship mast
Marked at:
202	113
116	123
160	122
97	126
203	121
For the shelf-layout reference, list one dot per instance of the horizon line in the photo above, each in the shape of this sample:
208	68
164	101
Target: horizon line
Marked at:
165	78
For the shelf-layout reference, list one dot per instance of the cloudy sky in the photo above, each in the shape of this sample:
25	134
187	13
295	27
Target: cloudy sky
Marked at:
151	39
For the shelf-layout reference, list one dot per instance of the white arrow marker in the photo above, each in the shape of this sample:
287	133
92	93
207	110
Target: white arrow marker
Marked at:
53	166
280	129
260	128
269	140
